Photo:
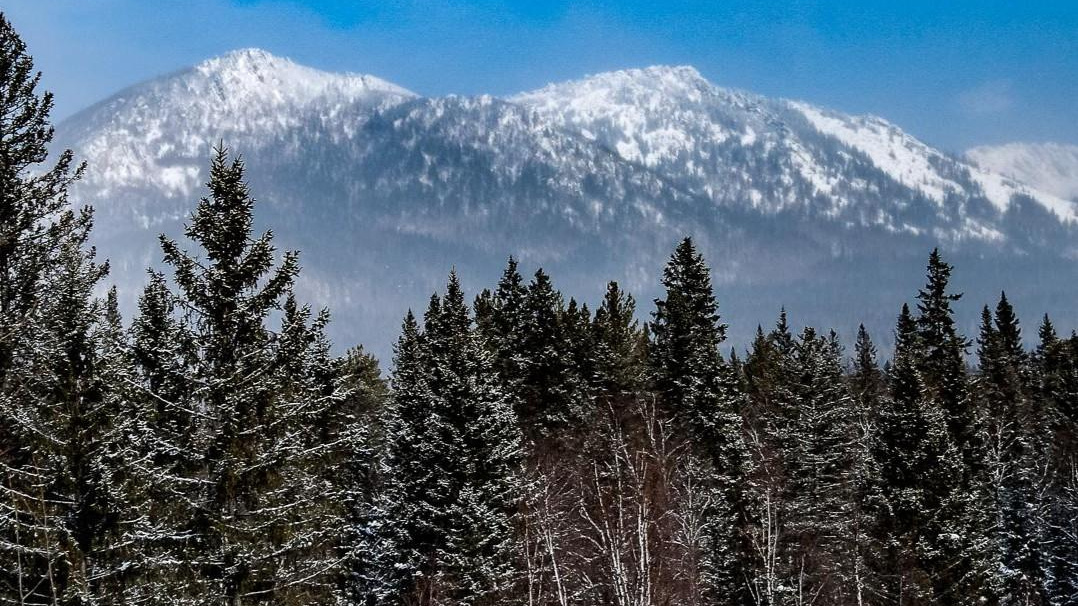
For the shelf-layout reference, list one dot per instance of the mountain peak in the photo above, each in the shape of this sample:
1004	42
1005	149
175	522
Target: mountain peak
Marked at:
249	69
626	87
245	60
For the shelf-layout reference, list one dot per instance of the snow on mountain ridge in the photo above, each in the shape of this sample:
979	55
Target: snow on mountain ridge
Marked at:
1050	167
626	103
594	179
734	148
913	163
158	134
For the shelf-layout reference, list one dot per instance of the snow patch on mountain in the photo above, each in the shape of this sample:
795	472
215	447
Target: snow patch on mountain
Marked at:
915	164
901	156
158	134
646	115
1049	167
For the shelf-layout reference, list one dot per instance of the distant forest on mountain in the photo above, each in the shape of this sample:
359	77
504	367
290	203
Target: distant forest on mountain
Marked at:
525	448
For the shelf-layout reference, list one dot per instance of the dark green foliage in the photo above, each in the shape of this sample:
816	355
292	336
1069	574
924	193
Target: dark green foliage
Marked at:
918	465
239	419
620	353
699	391
445	524
62	434
1016	428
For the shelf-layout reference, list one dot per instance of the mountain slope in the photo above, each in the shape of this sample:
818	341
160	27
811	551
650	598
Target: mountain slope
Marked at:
1051	167
596	179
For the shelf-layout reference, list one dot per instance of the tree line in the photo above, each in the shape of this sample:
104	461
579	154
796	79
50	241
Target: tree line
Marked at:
524	450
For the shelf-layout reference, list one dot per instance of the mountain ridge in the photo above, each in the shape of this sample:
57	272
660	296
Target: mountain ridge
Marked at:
613	167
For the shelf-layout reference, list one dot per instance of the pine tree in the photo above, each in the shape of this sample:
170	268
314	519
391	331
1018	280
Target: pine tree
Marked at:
820	464
36	221
1016	427
619	361
917	461
700	391
254	508
868	386
551	396
941	361
60	429
500	319
64	497
446	516
770	378
1057	387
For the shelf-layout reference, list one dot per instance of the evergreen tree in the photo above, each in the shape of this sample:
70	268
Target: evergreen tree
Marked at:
941	361
551	394
821	467
500	319
361	438
1016	429
619	359
917	462
36	221
452	488
65	504
255	510
700	391
1057	388
869	389
61	446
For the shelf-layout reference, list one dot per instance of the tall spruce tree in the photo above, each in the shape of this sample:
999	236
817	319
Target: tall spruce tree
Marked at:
1016	428
619	358
869	389
941	361
252	523
61	434
821	467
65	499
552	391
1057	387
445	528
917	462
942	358
700	391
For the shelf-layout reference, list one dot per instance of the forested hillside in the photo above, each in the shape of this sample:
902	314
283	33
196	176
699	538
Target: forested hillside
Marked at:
526	448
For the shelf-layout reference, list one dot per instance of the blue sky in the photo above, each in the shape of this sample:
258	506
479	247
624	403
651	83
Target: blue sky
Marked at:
955	73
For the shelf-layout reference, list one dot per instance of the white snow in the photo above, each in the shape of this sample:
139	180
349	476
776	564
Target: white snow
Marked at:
1048	167
908	161
902	157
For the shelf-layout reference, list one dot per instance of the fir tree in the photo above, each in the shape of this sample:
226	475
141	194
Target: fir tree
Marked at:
60	427
445	527
551	393
253	523
700	391
1016	429
1057	387
619	361
820	464
941	360
917	462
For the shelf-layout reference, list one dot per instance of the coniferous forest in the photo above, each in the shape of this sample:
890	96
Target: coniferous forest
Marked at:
525	449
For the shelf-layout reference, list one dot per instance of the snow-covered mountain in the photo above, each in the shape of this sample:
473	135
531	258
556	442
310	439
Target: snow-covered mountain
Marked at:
1051	167
596	179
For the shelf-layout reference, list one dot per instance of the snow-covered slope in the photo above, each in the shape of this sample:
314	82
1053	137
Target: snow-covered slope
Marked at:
674	121
1050	167
594	178
157	135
